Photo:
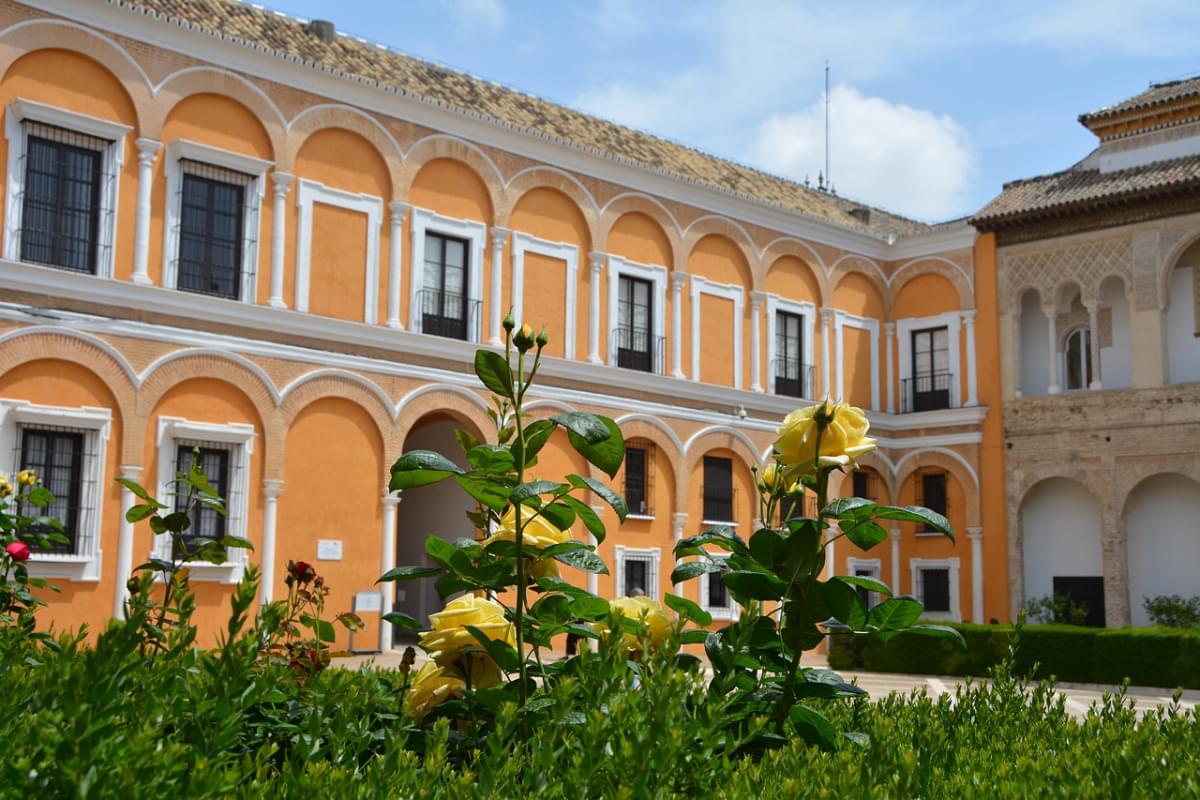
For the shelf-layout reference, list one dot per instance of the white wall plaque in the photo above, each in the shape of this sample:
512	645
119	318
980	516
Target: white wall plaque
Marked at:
368	601
329	549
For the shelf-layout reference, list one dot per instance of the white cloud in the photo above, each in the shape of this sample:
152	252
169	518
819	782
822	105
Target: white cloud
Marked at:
895	156
488	14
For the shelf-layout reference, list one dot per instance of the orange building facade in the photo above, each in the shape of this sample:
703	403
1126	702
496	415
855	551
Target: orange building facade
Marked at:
232	230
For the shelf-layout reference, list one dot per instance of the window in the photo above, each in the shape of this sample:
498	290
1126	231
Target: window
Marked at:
66	448
207	523
793	377
639	479
211	237
798	507
861	484
61	195
935	584
1078	357
444	298
929	387
931	493
715	597
634	340
637	571
865	568
717	491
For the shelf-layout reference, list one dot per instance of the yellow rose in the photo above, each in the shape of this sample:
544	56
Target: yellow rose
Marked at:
5	487
449	635
651	613
544	568
843	439
26	477
435	683
769	475
538	532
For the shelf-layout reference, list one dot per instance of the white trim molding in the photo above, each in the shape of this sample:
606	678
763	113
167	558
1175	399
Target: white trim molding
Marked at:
112	157
310	192
915	565
620	267
951	320
842	320
702	286
183	150
559	251
474	232
240	437
95	424
653	558
731	611
808	314
875	570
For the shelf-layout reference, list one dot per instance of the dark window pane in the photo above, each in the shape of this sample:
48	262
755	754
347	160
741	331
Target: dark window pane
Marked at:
929	386
718	489
210	236
444	297
791	373
635	321
933	491
207	523
637	577
635	480
935	589
861	485
718	595
864	593
57	458
61	206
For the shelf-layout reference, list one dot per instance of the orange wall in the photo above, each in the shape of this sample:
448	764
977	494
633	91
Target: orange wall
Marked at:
545	288
338	280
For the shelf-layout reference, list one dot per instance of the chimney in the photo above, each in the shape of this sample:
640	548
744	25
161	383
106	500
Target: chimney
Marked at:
863	215
322	29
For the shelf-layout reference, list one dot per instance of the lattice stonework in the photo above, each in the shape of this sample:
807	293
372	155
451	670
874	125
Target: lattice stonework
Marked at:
1088	263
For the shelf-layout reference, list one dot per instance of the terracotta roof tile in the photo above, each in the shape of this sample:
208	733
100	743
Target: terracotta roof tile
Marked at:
1157	94
288	38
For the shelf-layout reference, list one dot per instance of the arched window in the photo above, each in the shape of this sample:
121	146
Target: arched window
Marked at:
1078	355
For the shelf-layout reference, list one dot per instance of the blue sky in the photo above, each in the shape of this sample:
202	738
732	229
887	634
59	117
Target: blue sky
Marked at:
935	104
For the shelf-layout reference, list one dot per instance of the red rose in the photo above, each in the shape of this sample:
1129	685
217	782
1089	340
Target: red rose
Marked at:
18	551
301	571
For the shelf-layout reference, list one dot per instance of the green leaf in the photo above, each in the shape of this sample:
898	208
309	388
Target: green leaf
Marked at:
323	628
851	507
603	492
688	610
870	584
139	513
236	542
768	547
484	491
608	454
40	497
534	488
754	585
589	607
813	727
938	631
440	550
495	373
465	440
563	547
690	569
503	653
536	436
560	515
409	573
403	621
865	534
490	458
916	514
421	468
896	614
138	491
693	636
719	652
844	604
591	520
552	610
177	522
589	426
585	560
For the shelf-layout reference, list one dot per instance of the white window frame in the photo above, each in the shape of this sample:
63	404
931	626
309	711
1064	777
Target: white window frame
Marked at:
241	437
96	425
113	156
728	291
918	564
185	150
657	275
653	555
307	194
808	322
875	565
474	232
566	252
841	321
731	612
951	321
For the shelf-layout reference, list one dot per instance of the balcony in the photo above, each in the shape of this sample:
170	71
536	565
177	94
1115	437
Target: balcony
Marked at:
450	315
926	392
793	378
720	504
637	348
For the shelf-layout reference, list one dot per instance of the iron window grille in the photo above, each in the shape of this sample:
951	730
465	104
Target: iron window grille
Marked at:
719	496
446	314
59	456
804	506
929	387
793	378
863	484
215	213
639	478
221	470
933	589
445	304
639	575
66	179
633	339
931	492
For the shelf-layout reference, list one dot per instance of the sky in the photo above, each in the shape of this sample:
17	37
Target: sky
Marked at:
934	104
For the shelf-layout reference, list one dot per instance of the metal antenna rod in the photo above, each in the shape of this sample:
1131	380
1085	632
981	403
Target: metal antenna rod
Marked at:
828	175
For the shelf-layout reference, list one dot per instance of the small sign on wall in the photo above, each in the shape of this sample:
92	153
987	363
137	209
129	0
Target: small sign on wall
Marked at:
368	601
329	549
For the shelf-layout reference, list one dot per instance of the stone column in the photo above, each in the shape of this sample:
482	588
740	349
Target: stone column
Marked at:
495	314
147	152
596	260
281	181
593	579
889	328
125	542
1052	340
1116	568
756	299
271	491
824	319
1016	351
387	589
976	537
678	523
1093	310
395	255
895	536
678	279
972	377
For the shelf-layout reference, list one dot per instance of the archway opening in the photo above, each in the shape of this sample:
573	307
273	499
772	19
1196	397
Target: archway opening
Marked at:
1061	548
1183	321
1162	534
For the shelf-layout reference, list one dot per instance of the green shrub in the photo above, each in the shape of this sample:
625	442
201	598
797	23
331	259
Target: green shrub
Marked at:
1173	611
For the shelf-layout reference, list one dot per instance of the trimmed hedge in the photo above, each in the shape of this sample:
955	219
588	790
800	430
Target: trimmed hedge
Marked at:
1166	657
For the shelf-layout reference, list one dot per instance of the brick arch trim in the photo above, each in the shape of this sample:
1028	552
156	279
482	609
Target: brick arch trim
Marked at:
180	85
953	463
704	440
333	115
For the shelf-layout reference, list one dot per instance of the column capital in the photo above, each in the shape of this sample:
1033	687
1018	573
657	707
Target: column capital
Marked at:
398	209
678	278
131	471
757	297
272	488
391	500
1092	306
596	259
679	519
1050	310
895	535
968	315
889	328
282	181
975	533
499	234
147	149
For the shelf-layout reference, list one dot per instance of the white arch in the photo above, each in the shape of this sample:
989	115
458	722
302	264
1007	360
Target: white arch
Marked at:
240	360
940	259
398	152
154	90
749	240
405	154
81	336
657	423
557	171
91	32
641	196
793	240
852	256
554	404
438	387
333	372
944	451
734	432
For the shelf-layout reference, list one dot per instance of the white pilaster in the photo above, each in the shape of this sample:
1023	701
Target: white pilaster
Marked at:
756	299
972	379
890	329
1093	310
271	491
895	536
1052	341
596	261
678	279
678	523
388	562
839	379
125	542
826	319
976	537
495	313
147	152
281	181
395	254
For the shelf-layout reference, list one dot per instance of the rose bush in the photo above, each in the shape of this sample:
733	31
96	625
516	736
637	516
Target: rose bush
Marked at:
658	621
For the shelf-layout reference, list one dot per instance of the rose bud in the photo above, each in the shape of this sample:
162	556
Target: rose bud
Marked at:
17	551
